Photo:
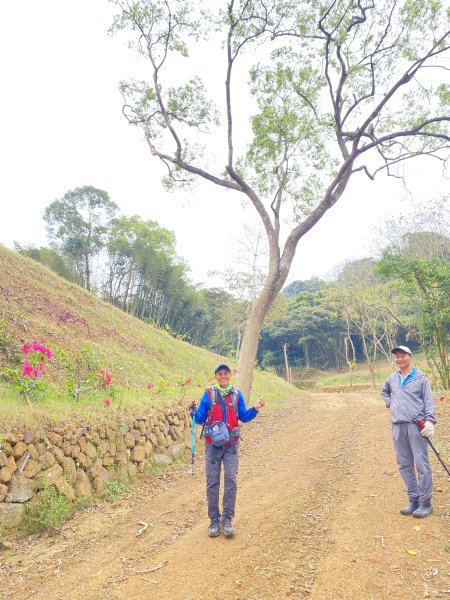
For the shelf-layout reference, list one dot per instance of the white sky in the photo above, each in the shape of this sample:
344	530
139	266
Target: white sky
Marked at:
61	127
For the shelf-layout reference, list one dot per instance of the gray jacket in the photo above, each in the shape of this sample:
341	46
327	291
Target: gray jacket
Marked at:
414	400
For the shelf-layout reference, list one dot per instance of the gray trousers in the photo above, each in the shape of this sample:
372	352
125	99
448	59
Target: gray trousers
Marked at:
230	463
411	449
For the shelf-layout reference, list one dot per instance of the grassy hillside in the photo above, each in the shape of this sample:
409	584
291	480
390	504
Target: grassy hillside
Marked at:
36	304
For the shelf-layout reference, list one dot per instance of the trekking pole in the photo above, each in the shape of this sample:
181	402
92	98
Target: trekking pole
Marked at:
193	444
421	425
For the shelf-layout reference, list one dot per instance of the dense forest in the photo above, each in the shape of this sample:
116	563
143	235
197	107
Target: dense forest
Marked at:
402	295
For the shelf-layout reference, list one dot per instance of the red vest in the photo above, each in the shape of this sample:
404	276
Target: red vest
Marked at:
216	413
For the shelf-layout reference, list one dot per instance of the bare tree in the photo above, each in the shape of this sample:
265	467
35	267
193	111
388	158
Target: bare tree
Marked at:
348	87
252	252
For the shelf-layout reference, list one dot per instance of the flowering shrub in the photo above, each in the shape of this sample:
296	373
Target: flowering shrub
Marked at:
83	375
28	379
104	379
164	388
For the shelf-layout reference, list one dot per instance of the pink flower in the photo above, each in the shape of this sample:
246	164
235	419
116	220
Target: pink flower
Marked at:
441	398
105	378
235	371
199	385
188	381
26	348
27	369
42	349
106	402
150	386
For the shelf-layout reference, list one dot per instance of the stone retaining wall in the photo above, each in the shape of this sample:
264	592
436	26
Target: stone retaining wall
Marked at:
79	460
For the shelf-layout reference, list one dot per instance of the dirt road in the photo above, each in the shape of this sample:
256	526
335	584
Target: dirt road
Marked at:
317	517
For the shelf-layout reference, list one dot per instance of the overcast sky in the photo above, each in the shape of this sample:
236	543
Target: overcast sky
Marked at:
62	128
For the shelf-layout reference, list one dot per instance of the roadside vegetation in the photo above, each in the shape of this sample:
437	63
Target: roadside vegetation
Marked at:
65	353
399	295
68	355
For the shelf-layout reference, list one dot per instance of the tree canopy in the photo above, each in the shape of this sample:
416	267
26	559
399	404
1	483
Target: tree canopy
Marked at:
335	89
78	223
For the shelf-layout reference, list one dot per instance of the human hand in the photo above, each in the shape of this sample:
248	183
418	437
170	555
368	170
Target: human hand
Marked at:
428	429
192	405
260	404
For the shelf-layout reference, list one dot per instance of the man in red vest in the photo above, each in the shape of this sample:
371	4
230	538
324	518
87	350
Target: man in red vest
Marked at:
220	410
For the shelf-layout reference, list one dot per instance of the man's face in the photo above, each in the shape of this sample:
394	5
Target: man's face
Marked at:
223	377
402	360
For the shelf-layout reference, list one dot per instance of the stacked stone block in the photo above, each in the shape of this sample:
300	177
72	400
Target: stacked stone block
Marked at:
78	460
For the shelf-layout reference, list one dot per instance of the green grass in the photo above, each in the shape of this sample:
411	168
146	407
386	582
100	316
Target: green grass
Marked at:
360	376
55	407
118	489
36	304
48	512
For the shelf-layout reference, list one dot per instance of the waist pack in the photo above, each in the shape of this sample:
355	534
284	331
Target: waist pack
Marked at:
218	432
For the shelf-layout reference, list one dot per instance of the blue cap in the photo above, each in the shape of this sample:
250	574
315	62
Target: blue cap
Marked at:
222	366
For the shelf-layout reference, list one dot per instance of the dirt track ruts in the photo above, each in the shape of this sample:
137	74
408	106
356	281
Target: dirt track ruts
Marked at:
317	517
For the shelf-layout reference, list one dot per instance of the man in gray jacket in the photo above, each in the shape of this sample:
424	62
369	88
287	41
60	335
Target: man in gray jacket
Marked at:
408	395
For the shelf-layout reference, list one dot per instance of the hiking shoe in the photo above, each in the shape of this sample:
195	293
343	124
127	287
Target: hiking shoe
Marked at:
408	510
425	509
214	529
228	529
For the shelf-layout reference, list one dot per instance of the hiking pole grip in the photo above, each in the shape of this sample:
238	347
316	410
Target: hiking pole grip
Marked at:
421	425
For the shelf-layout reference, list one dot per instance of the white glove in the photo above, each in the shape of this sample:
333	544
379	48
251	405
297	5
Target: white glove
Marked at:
428	429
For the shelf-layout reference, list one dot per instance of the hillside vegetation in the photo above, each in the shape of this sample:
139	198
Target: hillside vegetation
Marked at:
36	304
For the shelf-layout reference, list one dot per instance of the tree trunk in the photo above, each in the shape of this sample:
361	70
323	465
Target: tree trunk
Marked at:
250	340
88	272
238	344
306	354
286	362
127	290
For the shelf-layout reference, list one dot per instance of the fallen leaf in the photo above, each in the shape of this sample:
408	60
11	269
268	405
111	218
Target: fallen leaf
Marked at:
411	552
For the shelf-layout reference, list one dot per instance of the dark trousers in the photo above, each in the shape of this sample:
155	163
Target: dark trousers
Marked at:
214	459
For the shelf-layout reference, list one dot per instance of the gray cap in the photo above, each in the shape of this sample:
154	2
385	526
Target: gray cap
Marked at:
401	349
222	366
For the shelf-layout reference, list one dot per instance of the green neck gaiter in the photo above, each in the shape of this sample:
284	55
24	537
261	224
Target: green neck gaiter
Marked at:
224	391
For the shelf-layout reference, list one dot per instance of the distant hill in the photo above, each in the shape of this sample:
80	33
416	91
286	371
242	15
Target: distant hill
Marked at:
37	304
